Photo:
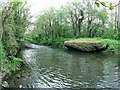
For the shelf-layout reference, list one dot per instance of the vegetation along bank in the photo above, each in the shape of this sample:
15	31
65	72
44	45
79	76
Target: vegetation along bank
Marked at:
76	20
53	27
14	23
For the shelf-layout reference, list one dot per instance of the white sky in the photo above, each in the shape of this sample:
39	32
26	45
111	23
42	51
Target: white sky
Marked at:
38	5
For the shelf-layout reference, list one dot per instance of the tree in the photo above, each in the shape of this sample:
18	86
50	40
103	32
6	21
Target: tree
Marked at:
119	20
14	23
76	16
111	7
73	20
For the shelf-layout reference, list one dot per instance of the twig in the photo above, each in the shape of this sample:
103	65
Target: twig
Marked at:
108	6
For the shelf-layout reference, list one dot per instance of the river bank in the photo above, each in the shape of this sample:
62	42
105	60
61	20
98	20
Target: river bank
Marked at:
113	45
17	66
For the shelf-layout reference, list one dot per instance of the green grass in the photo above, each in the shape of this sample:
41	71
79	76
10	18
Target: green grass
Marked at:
114	45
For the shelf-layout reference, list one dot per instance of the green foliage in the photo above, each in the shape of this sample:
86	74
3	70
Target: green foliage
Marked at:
97	4
69	21
3	59
73	20
2	54
15	64
111	4
103	3
102	15
113	45
6	63
111	8
15	22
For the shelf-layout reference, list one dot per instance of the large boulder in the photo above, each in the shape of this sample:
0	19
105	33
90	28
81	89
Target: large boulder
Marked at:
86	45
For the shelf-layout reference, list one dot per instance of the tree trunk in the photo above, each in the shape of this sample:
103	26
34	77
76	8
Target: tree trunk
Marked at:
119	33
1	29
119	20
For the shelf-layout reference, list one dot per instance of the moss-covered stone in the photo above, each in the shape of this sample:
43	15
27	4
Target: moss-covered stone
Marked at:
86	45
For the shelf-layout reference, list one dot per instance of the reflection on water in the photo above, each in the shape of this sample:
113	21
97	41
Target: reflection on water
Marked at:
58	68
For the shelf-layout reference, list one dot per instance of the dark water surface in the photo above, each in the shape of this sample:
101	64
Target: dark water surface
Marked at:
58	68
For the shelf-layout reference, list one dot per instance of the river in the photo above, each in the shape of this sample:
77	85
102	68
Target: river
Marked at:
59	68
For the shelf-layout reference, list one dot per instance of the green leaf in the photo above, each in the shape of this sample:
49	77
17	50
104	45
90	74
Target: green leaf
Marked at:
111	8
111	4
97	4
103	3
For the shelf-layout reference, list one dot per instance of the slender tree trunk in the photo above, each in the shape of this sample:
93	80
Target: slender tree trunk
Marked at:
73	25
1	32
119	20
119	34
116	31
79	28
1	29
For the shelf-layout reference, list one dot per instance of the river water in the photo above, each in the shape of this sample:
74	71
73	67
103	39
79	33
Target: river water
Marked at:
59	68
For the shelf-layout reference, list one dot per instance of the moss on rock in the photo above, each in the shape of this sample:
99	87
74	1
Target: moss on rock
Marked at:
86	45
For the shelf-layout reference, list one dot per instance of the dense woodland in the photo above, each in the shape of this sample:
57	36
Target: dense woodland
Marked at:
14	23
52	27
76	20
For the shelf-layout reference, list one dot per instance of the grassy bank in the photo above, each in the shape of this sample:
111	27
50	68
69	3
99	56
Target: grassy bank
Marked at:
114	45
